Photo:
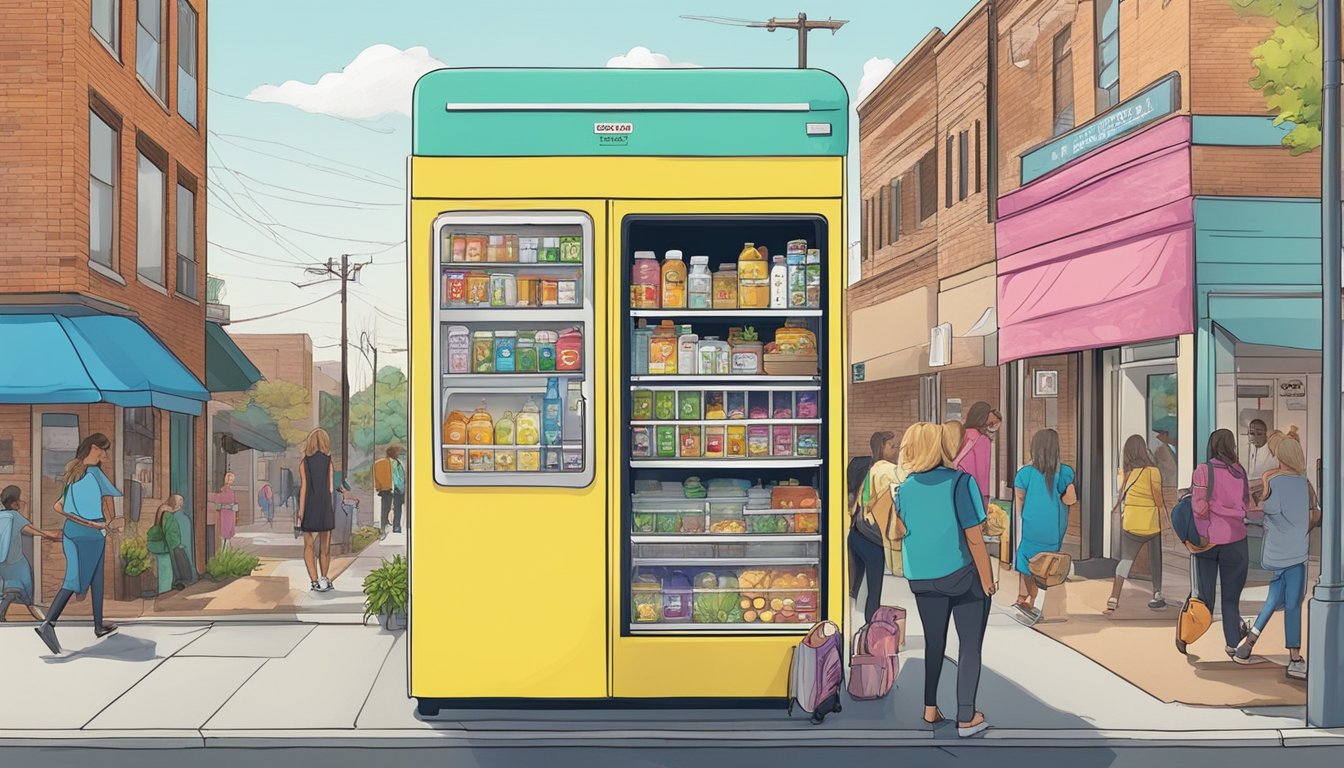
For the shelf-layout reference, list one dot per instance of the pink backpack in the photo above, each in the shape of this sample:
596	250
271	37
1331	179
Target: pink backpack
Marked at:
874	660
817	672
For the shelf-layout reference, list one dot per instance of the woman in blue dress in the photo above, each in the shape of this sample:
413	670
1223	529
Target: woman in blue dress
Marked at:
16	573
86	505
1044	493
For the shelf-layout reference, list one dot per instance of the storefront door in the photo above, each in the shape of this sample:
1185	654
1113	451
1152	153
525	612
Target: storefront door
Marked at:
55	439
181	465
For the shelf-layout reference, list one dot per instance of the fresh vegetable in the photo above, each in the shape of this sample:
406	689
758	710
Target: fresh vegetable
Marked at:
728	526
643	522
768	524
665	523
719	606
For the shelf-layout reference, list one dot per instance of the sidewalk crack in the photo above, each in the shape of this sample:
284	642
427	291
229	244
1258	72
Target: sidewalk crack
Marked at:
376	678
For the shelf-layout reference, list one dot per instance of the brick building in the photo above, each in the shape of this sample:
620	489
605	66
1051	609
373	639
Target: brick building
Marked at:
102	244
922	316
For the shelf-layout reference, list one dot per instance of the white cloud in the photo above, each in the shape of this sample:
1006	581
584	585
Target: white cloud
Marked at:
640	57
875	70
378	82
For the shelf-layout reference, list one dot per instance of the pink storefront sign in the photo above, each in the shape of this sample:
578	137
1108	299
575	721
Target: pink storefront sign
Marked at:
1101	252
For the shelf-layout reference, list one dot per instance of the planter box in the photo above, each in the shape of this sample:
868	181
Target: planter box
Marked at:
144	585
393	622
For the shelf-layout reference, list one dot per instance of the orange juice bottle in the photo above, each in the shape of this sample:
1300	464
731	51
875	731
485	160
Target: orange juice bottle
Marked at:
481	428
674	280
753	275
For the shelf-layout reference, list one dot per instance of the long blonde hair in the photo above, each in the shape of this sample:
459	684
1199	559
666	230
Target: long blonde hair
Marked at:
954	437
318	441
75	468
924	448
1290	455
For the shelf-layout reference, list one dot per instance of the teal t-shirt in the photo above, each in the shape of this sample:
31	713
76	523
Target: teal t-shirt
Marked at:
1044	516
84	498
937	507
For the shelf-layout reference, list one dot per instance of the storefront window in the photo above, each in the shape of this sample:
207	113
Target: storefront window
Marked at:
60	438
138	425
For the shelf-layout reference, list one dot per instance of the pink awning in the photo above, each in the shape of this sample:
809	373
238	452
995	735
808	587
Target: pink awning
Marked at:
1100	252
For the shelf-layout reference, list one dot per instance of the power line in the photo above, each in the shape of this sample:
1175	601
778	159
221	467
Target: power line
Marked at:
285	311
311	194
313	166
223	136
388	243
274	220
374	128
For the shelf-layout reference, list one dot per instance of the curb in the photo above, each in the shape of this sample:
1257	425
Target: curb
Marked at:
459	738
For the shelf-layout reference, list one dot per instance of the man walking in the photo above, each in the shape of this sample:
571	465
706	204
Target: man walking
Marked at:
390	481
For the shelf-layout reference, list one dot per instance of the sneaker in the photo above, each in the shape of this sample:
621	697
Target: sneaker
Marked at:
1158	602
48	634
314	586
1297	670
105	630
1231	652
323	584
1243	651
1027	617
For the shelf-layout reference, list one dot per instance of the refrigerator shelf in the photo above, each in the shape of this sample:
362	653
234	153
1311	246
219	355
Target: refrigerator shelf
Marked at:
516	447
761	562
730	381
725	538
478	315
504	378
726	422
674	312
741	628
734	463
458	266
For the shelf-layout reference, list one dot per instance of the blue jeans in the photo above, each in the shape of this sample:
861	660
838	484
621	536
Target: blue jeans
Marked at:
1286	591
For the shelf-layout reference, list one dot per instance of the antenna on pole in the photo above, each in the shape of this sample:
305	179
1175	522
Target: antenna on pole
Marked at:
802	24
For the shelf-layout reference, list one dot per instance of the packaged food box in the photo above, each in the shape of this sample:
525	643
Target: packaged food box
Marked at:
529	460
573	461
689	439
677	594
807	405
665	405
781	440
689	406
790	497
571	250
549	250
715	408
641	405
646	601
758	405
455	459
783	405
736	405
808	442
735	442
665	442
473	247
481	460
641	442
506	460
528	248
714	442
758	440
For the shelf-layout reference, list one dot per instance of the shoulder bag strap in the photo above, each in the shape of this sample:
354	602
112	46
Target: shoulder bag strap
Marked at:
1120	502
966	449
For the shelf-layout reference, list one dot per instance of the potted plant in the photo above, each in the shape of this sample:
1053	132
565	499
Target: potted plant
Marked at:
136	564
386	592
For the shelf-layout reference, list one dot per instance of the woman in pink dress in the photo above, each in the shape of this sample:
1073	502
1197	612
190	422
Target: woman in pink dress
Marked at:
977	454
227	504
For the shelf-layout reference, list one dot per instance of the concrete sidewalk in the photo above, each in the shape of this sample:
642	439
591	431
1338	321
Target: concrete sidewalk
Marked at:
185	684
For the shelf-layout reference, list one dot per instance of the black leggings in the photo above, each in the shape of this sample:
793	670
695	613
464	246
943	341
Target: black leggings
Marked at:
95	587
874	567
970	611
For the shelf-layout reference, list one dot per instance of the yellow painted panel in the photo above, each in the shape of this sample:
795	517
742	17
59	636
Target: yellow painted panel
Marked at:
627	177
508	585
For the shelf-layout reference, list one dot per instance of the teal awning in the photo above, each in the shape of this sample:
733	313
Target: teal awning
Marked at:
1274	321
227	369
92	358
252	427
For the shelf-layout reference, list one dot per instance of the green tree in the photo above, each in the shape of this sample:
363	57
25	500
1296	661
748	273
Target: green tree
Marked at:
287	403
1289	66
391	416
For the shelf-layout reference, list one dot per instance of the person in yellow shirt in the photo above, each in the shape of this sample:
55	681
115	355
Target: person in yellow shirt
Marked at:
1141	521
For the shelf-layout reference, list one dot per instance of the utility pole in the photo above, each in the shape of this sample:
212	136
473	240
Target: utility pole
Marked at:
366	345
802	24
1325	678
345	273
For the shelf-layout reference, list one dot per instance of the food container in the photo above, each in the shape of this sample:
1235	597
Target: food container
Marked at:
500	292
573	460
641	442
735	446
455	247
783	405
687	353
737	405
529	290
715	357
791	497
663	350
693	522
727	517
641	405
640	339
646	601
665	406
529	460
689	442
778	364
807	405
459	349
677	597
714	442
809	441
481	459
665	441
473	248
758	441
768	522
546	341
796	246
550	293
806	522
506	345
454	459
483	352
569	350
758	405
571	250
527	352
506	460
814	278
495	249
455	288
781	440
567	293
646	281
689	406
715	409
797	280
528	247
478	288
725	287
746	358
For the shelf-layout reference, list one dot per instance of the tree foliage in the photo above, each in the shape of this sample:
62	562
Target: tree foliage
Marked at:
391	416
1290	67
286	403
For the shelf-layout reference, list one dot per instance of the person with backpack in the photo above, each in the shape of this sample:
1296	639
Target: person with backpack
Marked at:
1220	496
1142	505
1291	511
870	517
855	474
1044	494
165	538
946	562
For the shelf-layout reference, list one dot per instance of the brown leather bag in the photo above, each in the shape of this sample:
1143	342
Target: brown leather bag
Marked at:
1050	569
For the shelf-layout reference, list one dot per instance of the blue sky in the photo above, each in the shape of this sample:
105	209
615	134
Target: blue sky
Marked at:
290	188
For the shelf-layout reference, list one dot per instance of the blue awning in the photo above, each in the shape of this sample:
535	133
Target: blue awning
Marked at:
227	369
90	359
1275	321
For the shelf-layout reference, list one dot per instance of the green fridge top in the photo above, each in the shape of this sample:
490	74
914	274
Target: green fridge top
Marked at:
690	112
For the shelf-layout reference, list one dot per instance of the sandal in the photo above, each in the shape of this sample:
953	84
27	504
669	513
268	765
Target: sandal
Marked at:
1112	603
939	720
967	731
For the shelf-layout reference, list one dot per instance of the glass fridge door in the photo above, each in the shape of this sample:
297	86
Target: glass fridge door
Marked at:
513	348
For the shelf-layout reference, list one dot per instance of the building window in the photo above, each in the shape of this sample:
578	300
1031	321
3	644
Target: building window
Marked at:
150	229
186	241
963	172
928	185
883	223
138	432
103	150
1063	75
186	61
977	157
864	215
104	23
947	175
1107	16
895	210
149	45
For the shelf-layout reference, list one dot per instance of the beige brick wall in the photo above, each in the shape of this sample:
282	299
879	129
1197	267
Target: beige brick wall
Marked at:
891	404
1221	68
1255	172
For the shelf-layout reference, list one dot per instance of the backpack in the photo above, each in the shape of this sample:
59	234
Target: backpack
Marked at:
874	660
817	672
382	475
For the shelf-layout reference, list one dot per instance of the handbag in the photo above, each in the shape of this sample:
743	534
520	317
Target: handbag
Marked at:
1194	621
866	517
155	541
1050	569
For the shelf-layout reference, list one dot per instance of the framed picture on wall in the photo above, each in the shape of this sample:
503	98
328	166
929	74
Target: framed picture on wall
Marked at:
1045	384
